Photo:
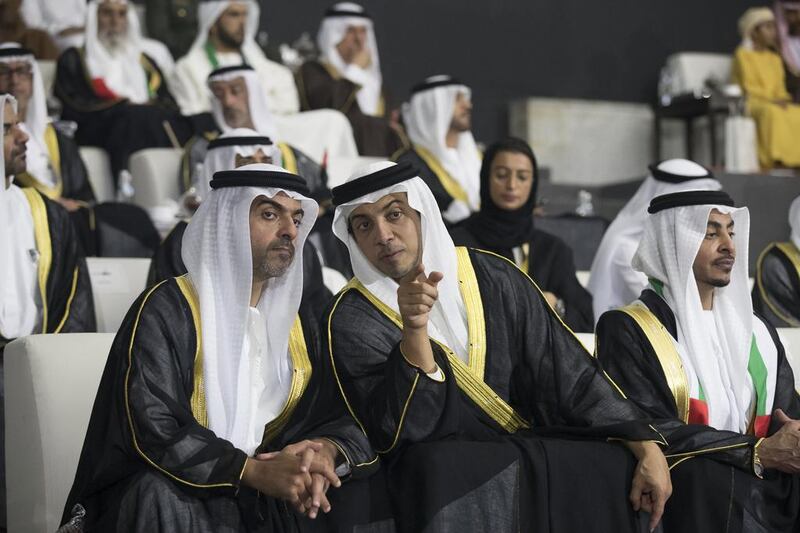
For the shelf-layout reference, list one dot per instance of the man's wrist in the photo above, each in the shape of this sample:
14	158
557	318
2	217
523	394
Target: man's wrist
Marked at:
640	448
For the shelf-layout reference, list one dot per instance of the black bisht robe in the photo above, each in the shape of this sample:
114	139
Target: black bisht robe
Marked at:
551	266
718	485
110	229
118	126
320	87
776	293
148	464
456	466
168	263
68	306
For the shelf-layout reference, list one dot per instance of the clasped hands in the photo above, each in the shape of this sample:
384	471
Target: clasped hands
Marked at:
300	474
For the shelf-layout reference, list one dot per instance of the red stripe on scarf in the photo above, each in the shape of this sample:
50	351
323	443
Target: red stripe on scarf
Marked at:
698	411
761	427
102	90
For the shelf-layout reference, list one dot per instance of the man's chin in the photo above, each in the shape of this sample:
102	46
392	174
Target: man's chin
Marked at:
720	282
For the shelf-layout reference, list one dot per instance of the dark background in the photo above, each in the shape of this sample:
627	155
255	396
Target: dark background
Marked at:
508	49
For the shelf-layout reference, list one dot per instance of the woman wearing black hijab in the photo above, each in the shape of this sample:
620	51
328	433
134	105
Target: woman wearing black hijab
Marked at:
504	225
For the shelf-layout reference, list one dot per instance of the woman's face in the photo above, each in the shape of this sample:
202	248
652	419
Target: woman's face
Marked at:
510	180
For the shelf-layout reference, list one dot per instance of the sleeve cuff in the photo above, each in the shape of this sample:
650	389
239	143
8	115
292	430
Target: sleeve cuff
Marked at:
437	375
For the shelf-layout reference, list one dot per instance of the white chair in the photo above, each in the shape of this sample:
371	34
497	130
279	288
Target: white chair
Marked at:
689	72
333	279
340	168
47	68
587	339
98	166
790	337
154	173
116	283
318	132
50	385
583	277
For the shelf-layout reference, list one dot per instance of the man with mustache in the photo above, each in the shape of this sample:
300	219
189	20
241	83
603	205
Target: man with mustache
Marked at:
438	120
214	412
690	349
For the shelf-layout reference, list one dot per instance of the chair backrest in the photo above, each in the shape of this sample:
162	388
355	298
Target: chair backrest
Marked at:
790	337
98	166
340	168
582	235
154	173
583	276
116	283
689	71
48	70
587	339
50	385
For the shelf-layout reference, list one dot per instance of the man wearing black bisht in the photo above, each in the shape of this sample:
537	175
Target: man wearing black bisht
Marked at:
690	349
215	412
347	77
55	168
116	93
505	226
470	386
776	293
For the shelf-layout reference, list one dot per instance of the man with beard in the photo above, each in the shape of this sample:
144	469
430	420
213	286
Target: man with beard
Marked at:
438	119
111	88
226	37
45	282
470	386
214	411
347	77
55	168
691	350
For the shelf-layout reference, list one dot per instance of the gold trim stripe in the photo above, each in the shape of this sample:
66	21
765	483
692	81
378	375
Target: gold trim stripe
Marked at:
128	407
453	188
41	233
661	341
288	158
69	301
198	399
476	322
26	179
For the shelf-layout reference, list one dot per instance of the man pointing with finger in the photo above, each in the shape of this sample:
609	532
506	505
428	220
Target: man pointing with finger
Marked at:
489	412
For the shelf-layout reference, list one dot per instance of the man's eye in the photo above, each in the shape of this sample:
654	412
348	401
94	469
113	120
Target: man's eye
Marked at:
297	222
269	215
394	215
362	226
710	235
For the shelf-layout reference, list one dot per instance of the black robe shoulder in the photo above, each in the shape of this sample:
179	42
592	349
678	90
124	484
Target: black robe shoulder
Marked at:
776	292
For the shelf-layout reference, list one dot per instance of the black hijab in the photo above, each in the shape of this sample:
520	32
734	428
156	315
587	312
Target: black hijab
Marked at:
495	227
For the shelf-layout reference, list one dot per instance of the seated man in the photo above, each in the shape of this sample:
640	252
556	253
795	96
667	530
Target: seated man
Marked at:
237	101
45	283
184	439
231	150
613	281
14	27
759	71
225	38
110	87
776	293
452	362
505	225
55	168
62	20
691	350
347	77
438	120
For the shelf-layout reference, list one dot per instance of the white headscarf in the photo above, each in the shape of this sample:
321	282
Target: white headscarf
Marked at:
224	157
750	20
427	118
794	221
217	252
121	73
209	12
19	309
448	318
35	121
613	281
331	32
667	252
258	104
